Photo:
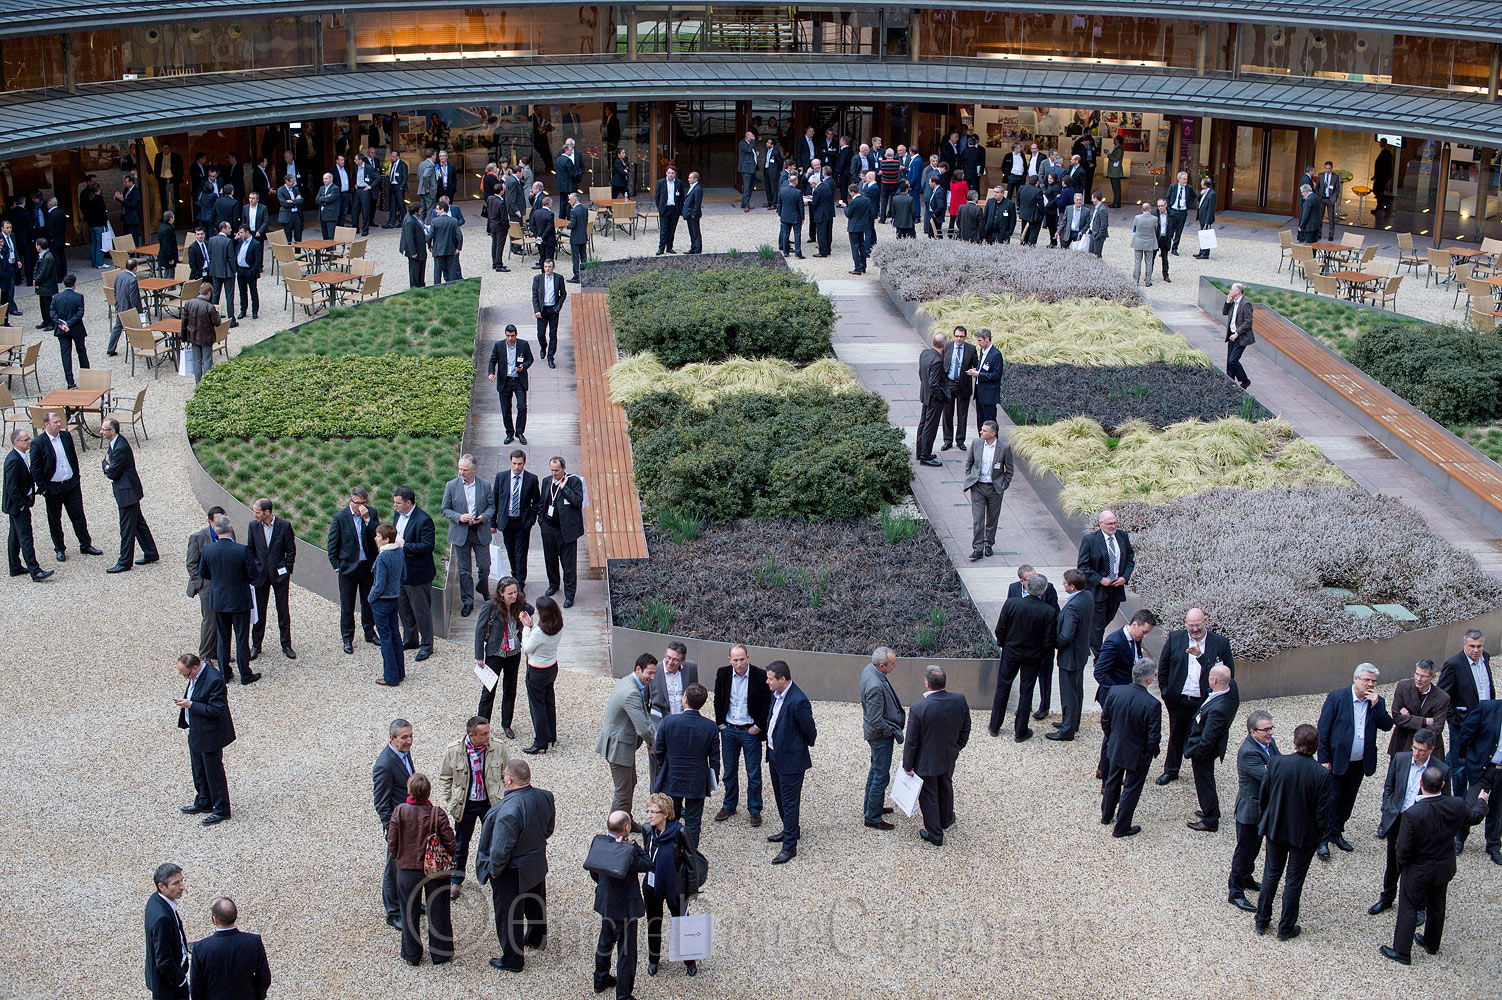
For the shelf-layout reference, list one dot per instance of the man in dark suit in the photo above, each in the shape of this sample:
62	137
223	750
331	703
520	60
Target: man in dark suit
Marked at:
274	550
745	167
328	199
1239	336
687	754
289	202
1480	744
562	520
1309	211
389	788
119	464
959	359
544	230
1073	636
196	253
1467	678
447	240
986	371
414	246
860	226
248	257
1348	725
260	182
497	226
1162	230
417	537
230	571
166	942
931	396
669	205
517	496
49	272
770	160
367	181
203	711
619	903
742	703
1030	209
1399	792
222	270
446	177
512	855
20	495
255	217
938	728
131	217
68	327
1423	851
1027	635
1295	807
1251	773
566	172
1181	201
1184	669
352	552
936	206
1208	735
509	361
821	211
578	232
790	221
1132	723
1107	560
1418	703
229	964
549	293
396	188
168	168
790	733
54	467
1118	653
226	208
11	258
693	212
665	694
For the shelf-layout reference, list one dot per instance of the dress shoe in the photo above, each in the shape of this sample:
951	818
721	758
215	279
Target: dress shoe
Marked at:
90	550
989	550
1060	737
1200	813
509	438
1174	252
754	819
384	683
799	256
241	316
504	269
947	446
974	557
1418	939
568	602
723	815
521	437
1387	951
1342	843
573	281
887	810
39	575
552	363
857	272
604	983
349	647
234	323
1165	778
1496	857
255	652
785	855
1382	903
147	560
1040	715
651	968
1023	736
497	963
108	354
1323	853
1259	927
1166	281
776	838
372	638
1057	725
193	810
550	592
1203	827
927	837
213	818
534	748
120	568
394	922
422	654
510	733
691	968
880	824
1290	934
1252	884
1130	831
249	679
932	463
1240	901
466	610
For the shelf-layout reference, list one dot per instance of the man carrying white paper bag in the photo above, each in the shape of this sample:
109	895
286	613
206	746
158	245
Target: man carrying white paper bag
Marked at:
938	727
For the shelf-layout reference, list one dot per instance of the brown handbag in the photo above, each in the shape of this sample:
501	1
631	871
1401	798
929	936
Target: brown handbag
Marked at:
435	860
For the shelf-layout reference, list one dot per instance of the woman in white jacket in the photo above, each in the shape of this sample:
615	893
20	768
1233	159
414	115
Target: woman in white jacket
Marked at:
540	649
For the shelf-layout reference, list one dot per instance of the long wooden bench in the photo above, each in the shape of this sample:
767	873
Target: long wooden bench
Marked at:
612	523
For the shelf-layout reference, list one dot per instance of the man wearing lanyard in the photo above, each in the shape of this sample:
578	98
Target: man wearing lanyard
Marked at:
562	520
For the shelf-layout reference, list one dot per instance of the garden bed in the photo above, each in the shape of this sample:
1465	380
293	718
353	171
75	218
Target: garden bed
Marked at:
1158	393
923	270
599	274
839	587
436	322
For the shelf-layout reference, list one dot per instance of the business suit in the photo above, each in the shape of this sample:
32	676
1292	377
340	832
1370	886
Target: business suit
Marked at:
687	755
221	252
248	256
628	724
20	495
1428	864
931	396
427	186
329	199
210	729
1327	187
1181	201
352	552
1457	680
1337	730
745	166
1144	244
860	226
255	218
524	498
1072	633
821	212
396	193
736	738
1174	675
986	496
1477	746
566	172
68	327
1251	773
208	635
166	183
1031	208
226	209
469	541
1399	784
230	964
578	237
366	181
1432	704
935	207
547	322
770	160
260	183
545	231
620	905
693	213
988	384
289	202
1097	563
790	221
388	779
1309	218
512	855
1132	722
669	199
197	254
229	569
166	950
882	723
48	274
130	213
119	465
1027	635
62	494
790	733
1239	322
10	270
938	728
957	360
446	239
1113	667
1100	229
562	519
414	246
1208	737
1000	221
661	700
1295	812
415	603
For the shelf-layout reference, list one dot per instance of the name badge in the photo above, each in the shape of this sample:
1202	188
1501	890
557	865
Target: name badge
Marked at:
550	510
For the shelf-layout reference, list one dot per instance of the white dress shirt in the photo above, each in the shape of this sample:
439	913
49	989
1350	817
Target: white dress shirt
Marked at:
1483	682
1191	687
987	458
1115	553
1415	778
776	711
343	176
401	524
739	713
64	470
672	680
1358	732
469	495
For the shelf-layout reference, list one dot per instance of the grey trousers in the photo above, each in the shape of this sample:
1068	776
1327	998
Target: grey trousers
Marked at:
390	899
208	629
985	511
623	779
1328	211
415	606
480	553
1142	260
203	360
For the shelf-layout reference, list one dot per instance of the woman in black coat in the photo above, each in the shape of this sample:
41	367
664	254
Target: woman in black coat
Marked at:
665	837
498	645
619	173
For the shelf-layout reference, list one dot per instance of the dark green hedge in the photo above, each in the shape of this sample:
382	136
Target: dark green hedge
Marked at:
821	456
754	312
1451	373
376	397
436	322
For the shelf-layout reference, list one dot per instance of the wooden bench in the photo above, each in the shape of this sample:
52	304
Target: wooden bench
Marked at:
1400	419
612	524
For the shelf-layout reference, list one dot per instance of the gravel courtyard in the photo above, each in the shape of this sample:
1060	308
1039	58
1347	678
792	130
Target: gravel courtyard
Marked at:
1029	895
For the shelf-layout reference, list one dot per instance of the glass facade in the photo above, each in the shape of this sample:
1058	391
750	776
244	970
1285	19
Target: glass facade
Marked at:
1133	41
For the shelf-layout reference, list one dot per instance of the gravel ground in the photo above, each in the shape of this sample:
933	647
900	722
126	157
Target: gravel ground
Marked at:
99	768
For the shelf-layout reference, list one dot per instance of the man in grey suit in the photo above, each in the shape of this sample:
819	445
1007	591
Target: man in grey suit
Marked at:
127	296
1072	634
1256	750
1144	245
427	183
222	270
628	724
208	635
466	498
1399	792
938	728
446	239
931	396
745	165
1100	223
882	724
512	855
988	473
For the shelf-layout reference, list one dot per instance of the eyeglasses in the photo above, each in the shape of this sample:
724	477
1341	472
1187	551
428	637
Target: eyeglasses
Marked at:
1264	729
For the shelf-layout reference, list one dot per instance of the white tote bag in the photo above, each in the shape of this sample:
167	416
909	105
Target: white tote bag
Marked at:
1207	239
691	938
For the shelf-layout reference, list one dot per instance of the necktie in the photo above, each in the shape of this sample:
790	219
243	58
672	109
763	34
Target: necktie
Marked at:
516	496
1111	548
954	364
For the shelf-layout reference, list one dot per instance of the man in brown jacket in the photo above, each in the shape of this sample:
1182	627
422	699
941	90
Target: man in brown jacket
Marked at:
1418	703
200	318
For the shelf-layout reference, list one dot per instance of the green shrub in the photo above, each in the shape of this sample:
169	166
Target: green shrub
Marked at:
898	525
429	322
332	397
754	312
680	528
656	616
1452	374
818	456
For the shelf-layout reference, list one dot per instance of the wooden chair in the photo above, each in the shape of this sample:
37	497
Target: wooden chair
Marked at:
276	237
186	292
370	288
1407	255
135	414
1439	264
1326	284
1386	293
221	340
1460	275
26	366
126	243
181	272
10	413
522	240
598	194
362	266
109	300
145	346
1367	256
95	379
1303	264
301	293
345	233
1477	288
1285	246
282	255
623	217
354	251
1351	239
38	416
1483	319
120	257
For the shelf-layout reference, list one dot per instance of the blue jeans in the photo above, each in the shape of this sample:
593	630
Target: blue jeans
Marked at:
96	255
879	777
733	743
388	627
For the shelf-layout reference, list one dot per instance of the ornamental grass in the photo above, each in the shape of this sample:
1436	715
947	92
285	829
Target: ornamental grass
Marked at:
638	374
1088	332
921	270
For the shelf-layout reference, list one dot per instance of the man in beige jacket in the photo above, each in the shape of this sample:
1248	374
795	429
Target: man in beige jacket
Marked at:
469	783
628	724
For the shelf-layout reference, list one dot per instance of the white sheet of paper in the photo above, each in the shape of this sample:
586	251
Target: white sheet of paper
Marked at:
488	677
255	612
905	792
